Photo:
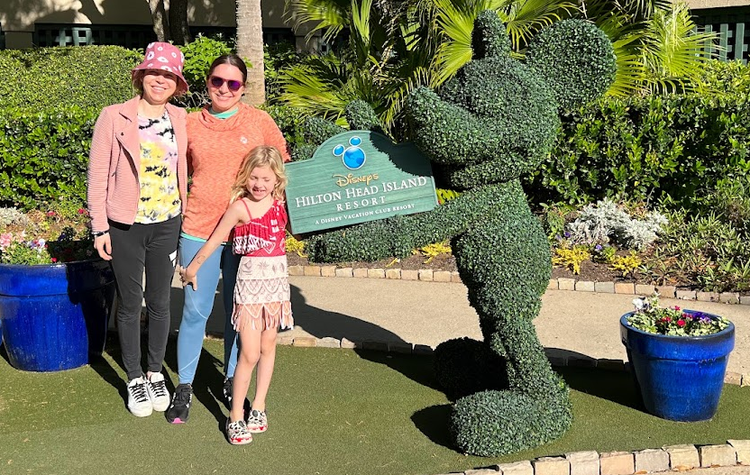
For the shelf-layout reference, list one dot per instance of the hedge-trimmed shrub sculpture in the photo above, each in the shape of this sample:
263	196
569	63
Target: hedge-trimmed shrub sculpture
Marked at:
496	120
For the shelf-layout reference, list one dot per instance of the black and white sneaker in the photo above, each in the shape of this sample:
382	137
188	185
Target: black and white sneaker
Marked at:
139	402
179	411
226	391
157	391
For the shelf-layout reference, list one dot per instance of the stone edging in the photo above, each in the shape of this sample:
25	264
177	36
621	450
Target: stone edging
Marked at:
429	275
557	357
735	453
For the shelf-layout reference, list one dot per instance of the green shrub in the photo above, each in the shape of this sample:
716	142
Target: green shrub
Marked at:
50	78
44	157
730	78
494	121
291	121
361	116
674	147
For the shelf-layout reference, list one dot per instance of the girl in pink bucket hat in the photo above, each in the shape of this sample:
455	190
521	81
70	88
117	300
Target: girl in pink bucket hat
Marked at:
137	190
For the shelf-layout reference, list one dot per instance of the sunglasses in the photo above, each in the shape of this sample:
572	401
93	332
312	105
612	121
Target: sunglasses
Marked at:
217	82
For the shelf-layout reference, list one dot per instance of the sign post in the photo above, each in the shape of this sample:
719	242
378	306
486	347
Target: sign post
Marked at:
355	177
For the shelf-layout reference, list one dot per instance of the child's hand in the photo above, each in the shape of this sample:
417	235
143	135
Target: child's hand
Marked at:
188	278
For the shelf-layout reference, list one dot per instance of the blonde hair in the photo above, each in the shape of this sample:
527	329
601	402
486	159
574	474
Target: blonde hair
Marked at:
260	156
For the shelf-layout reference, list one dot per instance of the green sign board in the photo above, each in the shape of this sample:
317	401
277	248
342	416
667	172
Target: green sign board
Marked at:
358	176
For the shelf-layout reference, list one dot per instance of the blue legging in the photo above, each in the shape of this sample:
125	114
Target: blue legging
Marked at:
200	303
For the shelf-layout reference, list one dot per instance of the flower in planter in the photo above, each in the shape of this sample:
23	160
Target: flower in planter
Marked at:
652	318
43	237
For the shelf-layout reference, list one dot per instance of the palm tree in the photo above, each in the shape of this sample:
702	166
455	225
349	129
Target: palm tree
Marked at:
250	46
397	46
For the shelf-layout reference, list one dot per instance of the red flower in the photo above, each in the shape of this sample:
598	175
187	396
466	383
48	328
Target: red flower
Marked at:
54	259
681	322
81	211
50	213
677	308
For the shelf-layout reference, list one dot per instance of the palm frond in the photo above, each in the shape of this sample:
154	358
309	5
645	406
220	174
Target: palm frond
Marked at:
525	18
328	16
673	50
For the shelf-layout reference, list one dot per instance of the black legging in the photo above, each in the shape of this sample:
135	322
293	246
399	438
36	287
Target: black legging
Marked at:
152	247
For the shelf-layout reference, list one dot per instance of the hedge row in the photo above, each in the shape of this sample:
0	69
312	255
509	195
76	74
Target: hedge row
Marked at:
43	156
659	147
50	78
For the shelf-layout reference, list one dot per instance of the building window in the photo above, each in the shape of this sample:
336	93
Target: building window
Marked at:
132	36
733	27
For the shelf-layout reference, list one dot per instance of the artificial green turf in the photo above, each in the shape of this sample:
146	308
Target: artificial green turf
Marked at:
331	411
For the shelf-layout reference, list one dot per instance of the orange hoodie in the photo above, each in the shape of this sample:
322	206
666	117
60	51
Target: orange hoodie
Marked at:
216	148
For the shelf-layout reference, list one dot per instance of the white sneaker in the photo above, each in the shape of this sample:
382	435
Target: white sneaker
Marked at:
139	402
157	392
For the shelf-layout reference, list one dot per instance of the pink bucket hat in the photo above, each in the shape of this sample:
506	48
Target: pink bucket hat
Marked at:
164	56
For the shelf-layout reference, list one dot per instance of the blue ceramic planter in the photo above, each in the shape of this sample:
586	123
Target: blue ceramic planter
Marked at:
680	378
55	316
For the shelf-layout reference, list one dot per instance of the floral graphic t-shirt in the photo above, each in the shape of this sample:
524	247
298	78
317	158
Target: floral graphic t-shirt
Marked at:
160	197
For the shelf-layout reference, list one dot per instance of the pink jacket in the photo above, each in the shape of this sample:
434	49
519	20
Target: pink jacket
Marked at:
114	162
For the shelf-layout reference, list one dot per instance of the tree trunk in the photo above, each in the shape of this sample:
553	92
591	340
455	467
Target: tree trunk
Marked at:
159	19
250	47
178	21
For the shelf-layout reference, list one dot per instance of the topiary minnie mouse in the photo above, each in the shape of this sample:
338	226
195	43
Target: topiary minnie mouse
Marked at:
494	121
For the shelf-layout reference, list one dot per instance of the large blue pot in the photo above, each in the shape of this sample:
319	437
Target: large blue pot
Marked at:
680	378
55	316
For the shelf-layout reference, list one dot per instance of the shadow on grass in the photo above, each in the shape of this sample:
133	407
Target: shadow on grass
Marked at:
209	371
433	422
323	323
4	354
611	385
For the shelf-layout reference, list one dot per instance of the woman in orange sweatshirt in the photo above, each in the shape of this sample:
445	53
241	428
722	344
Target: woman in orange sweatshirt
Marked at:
220	136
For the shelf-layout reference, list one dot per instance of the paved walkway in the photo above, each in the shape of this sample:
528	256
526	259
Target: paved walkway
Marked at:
428	313
580	324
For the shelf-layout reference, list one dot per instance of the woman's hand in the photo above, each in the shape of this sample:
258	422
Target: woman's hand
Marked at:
103	245
188	277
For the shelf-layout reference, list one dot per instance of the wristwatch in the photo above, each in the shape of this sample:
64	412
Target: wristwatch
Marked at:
96	234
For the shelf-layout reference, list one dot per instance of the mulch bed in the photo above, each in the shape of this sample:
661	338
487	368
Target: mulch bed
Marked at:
416	262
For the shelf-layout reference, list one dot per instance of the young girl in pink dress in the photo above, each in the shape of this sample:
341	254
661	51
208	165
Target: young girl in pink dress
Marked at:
256	219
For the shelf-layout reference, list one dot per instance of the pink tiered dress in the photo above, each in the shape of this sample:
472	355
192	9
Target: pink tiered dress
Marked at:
261	294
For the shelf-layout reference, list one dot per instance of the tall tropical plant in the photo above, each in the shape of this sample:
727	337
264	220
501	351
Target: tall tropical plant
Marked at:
674	52
657	44
383	60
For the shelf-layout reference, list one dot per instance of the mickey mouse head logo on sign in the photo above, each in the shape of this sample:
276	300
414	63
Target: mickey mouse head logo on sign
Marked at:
352	156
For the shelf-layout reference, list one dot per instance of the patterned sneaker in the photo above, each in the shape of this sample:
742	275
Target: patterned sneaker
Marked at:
179	410
139	404
257	421
237	433
157	391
